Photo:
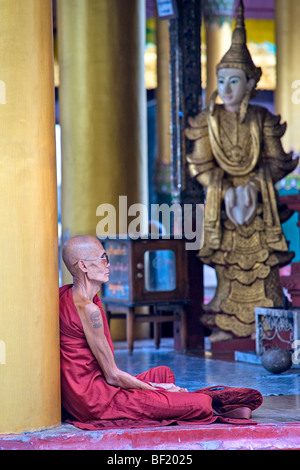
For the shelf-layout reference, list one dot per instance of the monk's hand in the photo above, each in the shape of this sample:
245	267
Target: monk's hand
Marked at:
177	389
169	387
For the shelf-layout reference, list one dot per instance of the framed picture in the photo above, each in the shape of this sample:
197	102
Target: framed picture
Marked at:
167	9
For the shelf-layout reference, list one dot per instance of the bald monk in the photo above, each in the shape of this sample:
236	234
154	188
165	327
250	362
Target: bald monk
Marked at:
96	394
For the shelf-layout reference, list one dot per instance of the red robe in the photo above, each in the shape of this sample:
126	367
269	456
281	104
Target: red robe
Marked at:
94	404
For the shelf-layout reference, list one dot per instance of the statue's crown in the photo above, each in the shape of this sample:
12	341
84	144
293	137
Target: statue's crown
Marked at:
238	56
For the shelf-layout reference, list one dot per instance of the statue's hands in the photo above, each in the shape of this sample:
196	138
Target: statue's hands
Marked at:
230	201
241	204
250	197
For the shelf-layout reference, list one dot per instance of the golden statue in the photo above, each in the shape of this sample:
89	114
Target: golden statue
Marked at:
238	157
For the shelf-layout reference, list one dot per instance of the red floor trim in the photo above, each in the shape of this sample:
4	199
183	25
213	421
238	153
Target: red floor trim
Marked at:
279	436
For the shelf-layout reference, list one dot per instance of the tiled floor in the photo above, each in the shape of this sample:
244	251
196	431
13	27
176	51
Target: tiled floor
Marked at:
279	409
281	391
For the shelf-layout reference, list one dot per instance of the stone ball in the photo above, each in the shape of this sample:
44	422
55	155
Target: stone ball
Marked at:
276	360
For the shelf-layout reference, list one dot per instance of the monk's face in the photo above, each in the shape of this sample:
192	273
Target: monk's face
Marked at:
97	264
232	87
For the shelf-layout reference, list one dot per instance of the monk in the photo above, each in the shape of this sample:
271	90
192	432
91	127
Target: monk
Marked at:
96	394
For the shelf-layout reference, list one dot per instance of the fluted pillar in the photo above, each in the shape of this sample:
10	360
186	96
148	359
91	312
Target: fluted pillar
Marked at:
163	161
218	30
29	333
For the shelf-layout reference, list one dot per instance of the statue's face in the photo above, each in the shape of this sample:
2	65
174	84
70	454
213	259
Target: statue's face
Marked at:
232	86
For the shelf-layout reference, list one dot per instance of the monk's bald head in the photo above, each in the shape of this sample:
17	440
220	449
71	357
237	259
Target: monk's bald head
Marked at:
78	247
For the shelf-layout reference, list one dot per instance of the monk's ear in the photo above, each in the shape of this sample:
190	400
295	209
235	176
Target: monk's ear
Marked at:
82	265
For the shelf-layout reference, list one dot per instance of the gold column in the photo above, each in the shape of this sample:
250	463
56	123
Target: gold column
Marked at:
218	41
218	31
29	335
163	92
287	95
163	161
102	109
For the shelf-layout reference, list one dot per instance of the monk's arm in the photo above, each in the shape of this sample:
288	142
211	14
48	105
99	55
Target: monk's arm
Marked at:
94	331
